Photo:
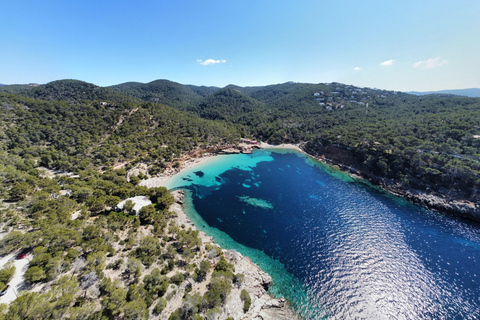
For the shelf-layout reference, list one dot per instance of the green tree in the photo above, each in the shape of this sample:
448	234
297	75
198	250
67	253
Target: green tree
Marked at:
148	214
160	306
135	310
113	304
35	274
217	293
20	190
155	284
133	267
128	206
202	271
6	274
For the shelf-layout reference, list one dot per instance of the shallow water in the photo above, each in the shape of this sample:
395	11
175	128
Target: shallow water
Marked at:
336	247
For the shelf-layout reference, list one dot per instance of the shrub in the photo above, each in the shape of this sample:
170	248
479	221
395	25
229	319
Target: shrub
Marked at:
177	278
7	272
161	304
247	301
218	291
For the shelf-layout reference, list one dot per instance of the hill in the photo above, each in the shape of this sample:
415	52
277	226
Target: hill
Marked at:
167	92
473	92
68	90
63	134
422	142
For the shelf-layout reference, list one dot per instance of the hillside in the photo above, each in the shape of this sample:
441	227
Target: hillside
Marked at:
110	139
63	134
420	142
86	260
68	90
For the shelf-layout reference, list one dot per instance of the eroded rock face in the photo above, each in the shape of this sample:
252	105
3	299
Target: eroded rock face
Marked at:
256	281
468	208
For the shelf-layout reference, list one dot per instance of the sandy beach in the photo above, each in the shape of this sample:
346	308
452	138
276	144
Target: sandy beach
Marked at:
199	156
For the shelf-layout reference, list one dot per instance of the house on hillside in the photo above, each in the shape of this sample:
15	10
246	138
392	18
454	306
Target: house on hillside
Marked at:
138	203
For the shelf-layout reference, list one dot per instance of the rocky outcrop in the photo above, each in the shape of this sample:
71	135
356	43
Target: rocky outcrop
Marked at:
256	282
462	208
446	202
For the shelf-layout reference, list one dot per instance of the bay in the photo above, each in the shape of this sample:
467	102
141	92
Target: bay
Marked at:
335	246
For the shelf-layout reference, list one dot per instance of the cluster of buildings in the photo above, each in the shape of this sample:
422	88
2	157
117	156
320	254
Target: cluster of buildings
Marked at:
337	99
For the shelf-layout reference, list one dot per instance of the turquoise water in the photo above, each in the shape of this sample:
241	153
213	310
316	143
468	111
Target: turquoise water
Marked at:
335	247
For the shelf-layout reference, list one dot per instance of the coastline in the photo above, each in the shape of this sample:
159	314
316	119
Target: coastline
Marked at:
263	302
448	204
199	156
445	204
256	282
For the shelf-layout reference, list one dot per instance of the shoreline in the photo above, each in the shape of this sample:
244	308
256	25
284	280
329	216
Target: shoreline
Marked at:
444	204
233	256
256	281
199	156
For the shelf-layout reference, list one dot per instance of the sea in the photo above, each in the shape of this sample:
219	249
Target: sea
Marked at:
335	246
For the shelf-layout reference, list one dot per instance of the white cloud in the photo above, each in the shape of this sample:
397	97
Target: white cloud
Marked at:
430	63
387	63
210	61
357	68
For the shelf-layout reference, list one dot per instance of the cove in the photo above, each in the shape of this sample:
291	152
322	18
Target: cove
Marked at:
334	246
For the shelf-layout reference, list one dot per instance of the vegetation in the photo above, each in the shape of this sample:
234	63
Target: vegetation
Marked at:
247	301
107	264
430	142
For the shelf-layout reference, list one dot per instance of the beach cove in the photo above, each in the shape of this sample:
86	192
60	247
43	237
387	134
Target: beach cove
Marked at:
378	257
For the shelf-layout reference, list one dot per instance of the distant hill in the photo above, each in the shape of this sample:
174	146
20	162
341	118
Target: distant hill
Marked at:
472	92
67	90
182	97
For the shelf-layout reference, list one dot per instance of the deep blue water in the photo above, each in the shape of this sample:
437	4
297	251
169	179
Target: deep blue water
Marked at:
340	248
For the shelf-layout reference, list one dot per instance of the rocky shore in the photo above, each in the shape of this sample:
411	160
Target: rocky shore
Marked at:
445	203
256	282
457	207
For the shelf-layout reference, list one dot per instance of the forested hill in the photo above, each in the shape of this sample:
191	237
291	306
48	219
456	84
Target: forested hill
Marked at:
182	97
69	90
77	135
472	92
417	141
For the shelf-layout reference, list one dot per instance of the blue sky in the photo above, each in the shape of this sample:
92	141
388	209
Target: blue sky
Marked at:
395	45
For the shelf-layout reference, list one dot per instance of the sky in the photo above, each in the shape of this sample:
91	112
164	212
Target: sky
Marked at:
394	45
